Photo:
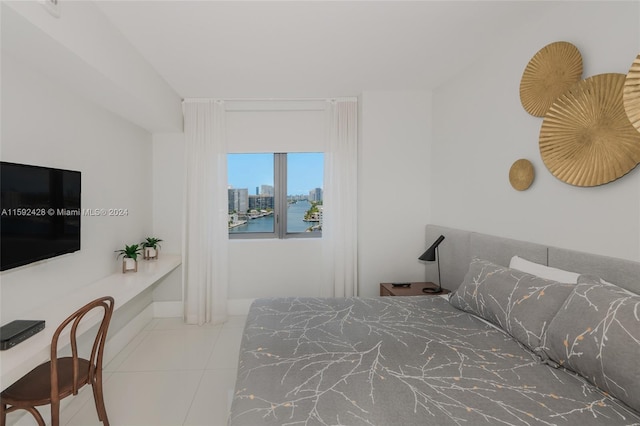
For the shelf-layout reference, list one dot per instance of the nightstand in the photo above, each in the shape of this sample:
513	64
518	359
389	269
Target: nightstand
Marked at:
387	289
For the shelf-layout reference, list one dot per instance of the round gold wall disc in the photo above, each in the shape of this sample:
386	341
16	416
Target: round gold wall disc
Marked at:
521	174
586	138
551	71
631	94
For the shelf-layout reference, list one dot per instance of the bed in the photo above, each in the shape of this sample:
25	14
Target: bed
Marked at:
509	347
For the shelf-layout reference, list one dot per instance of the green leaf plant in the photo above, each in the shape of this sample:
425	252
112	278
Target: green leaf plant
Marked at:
151	242
131	251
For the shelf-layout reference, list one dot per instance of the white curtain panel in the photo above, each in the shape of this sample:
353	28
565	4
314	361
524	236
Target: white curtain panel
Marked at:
339	229
205	234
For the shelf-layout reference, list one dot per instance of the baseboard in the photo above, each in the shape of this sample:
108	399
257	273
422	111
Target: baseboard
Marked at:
174	309
170	309
239	306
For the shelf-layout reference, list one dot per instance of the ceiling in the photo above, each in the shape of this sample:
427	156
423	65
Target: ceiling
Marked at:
269	49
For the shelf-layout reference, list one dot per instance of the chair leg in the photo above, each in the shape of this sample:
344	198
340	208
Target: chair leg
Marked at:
3	414
94	389
98	396
55	413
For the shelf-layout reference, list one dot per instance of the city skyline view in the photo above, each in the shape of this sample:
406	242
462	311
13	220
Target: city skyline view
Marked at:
305	171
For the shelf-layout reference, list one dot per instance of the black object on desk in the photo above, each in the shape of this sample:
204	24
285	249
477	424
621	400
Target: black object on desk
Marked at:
18	331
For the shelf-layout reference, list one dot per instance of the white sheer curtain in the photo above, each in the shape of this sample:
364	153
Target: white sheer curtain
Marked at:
339	229
205	235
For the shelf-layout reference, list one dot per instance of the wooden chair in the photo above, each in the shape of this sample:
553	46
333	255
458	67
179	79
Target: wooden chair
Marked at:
60	377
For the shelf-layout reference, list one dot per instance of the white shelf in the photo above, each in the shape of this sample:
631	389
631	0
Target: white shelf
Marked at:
20	359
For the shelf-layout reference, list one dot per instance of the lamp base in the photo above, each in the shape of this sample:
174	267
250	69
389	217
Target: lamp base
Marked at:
431	290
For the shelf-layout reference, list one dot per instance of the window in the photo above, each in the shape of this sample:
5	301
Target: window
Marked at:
275	195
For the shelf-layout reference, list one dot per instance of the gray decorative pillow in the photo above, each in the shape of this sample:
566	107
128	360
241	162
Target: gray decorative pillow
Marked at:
521	304
596	333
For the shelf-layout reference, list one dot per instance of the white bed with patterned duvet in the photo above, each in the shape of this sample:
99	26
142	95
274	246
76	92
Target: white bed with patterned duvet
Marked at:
509	347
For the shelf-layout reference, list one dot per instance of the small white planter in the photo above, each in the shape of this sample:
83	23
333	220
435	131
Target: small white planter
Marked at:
150	253
129	265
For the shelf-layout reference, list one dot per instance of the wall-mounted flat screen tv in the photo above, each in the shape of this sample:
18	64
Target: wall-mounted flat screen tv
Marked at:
40	213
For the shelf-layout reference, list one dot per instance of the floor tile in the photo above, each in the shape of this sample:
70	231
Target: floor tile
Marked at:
150	398
119	358
179	324
180	349
226	349
213	399
235	321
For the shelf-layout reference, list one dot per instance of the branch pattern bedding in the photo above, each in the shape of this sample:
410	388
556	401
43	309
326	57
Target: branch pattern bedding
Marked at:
526	345
400	361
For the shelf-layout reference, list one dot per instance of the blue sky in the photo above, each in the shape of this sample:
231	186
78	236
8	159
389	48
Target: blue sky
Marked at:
304	171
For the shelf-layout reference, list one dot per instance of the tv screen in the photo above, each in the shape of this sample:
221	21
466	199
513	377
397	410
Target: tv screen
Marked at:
40	213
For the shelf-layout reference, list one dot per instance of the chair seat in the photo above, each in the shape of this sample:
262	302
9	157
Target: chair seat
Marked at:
35	386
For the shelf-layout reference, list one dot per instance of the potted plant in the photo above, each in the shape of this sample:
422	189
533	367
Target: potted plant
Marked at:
150	247
130	257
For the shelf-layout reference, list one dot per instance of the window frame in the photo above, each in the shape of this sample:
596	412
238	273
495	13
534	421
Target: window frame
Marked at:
280	205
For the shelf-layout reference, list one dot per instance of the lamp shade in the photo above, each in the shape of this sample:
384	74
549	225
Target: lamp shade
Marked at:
430	254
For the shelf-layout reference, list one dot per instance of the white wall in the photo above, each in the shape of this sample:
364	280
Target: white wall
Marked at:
82	49
393	187
168	183
480	129
269	268
43	123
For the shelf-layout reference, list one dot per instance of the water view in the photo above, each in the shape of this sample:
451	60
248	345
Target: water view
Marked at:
295	220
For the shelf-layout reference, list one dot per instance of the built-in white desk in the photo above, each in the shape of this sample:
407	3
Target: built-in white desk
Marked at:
20	359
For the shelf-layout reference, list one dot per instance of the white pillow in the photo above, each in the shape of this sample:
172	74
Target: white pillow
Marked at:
543	271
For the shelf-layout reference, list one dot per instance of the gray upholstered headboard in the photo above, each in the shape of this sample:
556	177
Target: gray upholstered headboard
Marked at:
459	247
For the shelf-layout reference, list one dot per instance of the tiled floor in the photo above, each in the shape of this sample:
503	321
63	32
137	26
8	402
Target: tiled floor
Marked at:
170	374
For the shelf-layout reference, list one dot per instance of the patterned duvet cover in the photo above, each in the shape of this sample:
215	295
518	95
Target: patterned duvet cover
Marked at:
400	361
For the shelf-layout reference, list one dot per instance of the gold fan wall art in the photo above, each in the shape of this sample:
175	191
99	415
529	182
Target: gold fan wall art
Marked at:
551	71
586	138
631	94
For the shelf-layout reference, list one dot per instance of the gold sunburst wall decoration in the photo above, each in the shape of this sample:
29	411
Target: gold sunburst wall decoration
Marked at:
551	71
586	138
631	94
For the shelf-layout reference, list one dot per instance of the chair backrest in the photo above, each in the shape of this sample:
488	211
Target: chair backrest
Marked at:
104	306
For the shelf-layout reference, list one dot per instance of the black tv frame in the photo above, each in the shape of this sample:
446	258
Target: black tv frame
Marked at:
37	223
